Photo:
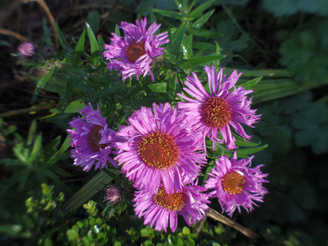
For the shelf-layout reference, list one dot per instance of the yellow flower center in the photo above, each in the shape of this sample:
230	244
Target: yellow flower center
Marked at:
233	183
135	50
94	138
175	201
158	150
216	112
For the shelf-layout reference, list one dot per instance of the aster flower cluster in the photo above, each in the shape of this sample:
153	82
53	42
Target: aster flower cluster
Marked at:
162	149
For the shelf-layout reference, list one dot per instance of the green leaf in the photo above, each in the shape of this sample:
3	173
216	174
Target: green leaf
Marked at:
177	38
97	183
93	45
36	150
245	153
31	133
76	56
203	46
199	61
186	230
46	33
251	83
241	142
94	20
158	87
57	155
200	9
42	82
68	50
168	13
204	33
186	46
203	19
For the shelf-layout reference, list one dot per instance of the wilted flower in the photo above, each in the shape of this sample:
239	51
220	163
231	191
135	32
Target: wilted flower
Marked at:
219	109
236	184
48	51
159	147
92	140
135	53
161	208
26	49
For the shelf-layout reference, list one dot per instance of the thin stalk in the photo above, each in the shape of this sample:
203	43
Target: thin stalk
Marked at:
224	220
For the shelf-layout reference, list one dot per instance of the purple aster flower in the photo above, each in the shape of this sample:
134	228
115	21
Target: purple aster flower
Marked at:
160	208
159	147
92	140
236	184
135	53
219	109
26	49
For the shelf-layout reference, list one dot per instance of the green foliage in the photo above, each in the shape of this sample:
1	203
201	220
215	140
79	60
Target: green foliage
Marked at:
289	7
304	53
290	138
42	223
33	162
92	231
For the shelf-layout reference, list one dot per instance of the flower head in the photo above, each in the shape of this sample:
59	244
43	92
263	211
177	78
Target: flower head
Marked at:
236	184
135	53
219	109
92	140
161	208
159	148
113	193
48	51
26	49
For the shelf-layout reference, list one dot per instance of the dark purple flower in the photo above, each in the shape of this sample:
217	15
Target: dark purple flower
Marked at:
92	140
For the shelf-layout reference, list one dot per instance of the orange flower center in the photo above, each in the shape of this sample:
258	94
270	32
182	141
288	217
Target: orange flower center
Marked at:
233	183
94	138
175	201
158	150
216	112
135	50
